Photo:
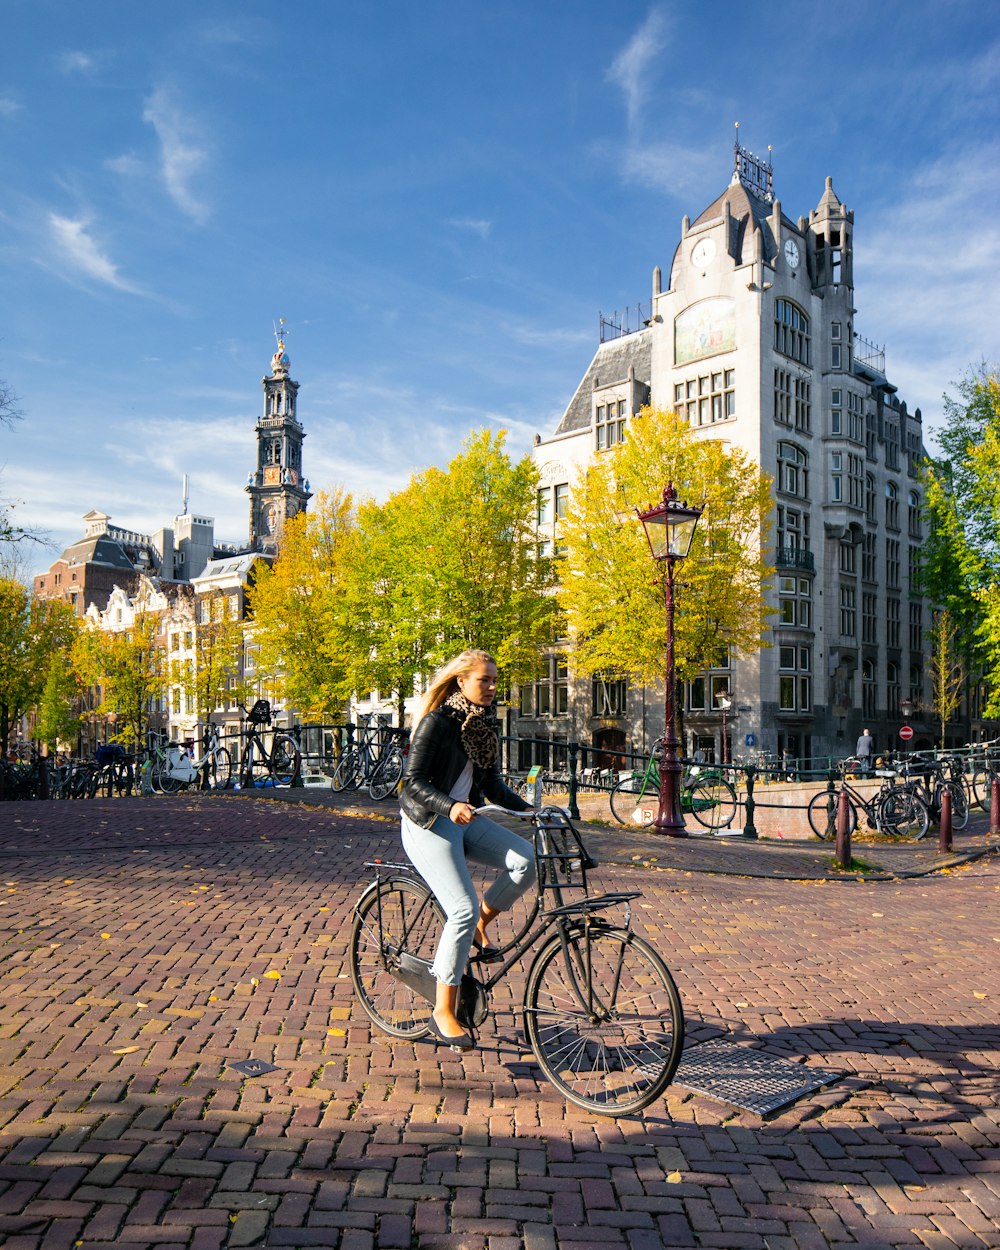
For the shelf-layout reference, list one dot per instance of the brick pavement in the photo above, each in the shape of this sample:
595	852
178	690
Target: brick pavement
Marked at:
147	944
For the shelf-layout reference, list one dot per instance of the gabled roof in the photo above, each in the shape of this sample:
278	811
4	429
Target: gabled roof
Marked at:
611	364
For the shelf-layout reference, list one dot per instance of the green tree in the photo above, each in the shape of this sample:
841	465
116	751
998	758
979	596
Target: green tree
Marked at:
31	632
129	668
947	669
299	623
58	717
610	590
447	563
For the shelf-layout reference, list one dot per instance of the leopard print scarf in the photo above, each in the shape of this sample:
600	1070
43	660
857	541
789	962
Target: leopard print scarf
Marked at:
479	738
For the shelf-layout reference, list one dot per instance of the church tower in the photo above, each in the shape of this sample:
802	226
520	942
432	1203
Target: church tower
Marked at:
277	488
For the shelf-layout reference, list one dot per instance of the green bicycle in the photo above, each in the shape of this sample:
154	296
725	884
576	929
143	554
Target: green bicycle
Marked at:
705	794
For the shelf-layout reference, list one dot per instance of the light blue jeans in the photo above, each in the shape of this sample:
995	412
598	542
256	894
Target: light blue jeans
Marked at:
440	855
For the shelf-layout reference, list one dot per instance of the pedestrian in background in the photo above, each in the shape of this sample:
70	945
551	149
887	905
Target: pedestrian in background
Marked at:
865	751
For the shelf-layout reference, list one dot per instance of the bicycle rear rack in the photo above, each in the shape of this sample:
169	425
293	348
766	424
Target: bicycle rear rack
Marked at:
558	845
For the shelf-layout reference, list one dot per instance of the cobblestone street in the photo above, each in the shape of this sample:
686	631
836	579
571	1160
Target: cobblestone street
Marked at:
147	944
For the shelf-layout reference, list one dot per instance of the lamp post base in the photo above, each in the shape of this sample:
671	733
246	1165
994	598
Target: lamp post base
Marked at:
669	819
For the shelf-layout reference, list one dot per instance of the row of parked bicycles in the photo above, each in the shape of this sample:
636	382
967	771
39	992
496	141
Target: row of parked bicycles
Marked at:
374	760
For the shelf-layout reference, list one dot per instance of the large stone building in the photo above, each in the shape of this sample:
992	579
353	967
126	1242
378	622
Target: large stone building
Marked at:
753	338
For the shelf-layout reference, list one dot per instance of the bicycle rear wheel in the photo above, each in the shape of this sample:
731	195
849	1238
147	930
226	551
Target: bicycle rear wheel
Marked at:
604	1019
712	801
819	815
284	756
982	781
220	769
394	918
959	804
903	812
347	774
630	796
386	776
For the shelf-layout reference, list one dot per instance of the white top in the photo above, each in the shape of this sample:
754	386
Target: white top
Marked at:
462	788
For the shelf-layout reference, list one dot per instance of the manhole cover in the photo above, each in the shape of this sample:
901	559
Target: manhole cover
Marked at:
747	1078
252	1067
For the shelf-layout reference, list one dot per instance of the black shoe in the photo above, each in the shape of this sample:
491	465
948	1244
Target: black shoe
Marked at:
485	954
461	1041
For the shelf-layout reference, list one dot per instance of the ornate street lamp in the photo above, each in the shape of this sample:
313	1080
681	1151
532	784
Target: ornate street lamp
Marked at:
725	703
670	528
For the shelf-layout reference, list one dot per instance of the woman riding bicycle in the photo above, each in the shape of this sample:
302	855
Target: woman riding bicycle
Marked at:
454	763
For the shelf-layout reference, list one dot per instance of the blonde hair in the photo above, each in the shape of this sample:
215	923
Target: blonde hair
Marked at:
445	680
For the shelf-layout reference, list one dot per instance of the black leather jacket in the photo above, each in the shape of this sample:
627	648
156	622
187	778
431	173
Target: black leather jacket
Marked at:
435	763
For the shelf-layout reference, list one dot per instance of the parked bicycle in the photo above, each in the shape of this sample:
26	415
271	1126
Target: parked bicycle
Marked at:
601	1010
176	768
376	760
705	794
985	770
115	771
892	809
281	761
931	777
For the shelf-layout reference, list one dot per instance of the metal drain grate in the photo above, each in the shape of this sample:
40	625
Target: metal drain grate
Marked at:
747	1078
252	1067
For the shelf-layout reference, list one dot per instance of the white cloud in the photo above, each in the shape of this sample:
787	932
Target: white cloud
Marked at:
76	62
182	156
670	167
927	289
631	68
9	106
126	165
476	225
75	245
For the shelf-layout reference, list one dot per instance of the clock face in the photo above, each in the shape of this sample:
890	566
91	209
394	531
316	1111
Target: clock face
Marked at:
702	253
792	254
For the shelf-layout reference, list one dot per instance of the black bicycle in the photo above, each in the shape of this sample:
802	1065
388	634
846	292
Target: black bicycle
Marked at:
601	1011
281	761
892	809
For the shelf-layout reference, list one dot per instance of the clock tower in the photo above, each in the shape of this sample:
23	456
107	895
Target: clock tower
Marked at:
276	487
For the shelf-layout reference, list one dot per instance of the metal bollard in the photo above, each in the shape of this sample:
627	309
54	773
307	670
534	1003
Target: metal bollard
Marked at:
995	805
944	830
831	807
749	828
574	806
844	856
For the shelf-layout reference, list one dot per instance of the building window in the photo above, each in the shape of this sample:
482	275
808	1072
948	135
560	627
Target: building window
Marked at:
869	689
794	678
837	477
792	400
913	515
870	498
869	617
561	497
916	628
848	612
793	528
891	506
916	683
707	399
610	423
549	695
795	602
914	570
793	470
836	411
609	696
848	558
855	417
835	356
791	331
835	331
869	557
892	563
892	689
892	622
543	511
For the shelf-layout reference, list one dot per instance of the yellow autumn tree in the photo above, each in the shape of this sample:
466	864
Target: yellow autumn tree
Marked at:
611	590
300	618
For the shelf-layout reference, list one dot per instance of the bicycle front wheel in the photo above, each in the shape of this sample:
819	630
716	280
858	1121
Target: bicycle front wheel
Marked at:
392	919
713	802
819	814
903	812
386	776
284	757
604	1019
220	769
630	797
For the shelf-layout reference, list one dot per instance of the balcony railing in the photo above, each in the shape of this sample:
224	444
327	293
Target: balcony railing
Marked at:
794	558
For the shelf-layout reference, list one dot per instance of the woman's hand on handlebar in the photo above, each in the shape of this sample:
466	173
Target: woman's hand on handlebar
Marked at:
462	814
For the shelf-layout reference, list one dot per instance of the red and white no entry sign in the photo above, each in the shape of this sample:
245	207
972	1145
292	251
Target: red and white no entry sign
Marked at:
906	732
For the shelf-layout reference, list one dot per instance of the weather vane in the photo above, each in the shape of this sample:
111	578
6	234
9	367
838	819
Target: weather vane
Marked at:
279	332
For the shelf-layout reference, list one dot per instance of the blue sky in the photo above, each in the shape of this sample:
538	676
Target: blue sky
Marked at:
439	198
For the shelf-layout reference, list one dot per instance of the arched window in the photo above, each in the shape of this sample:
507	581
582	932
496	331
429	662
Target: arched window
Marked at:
793	470
913	515
891	506
870	496
791	331
868	688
